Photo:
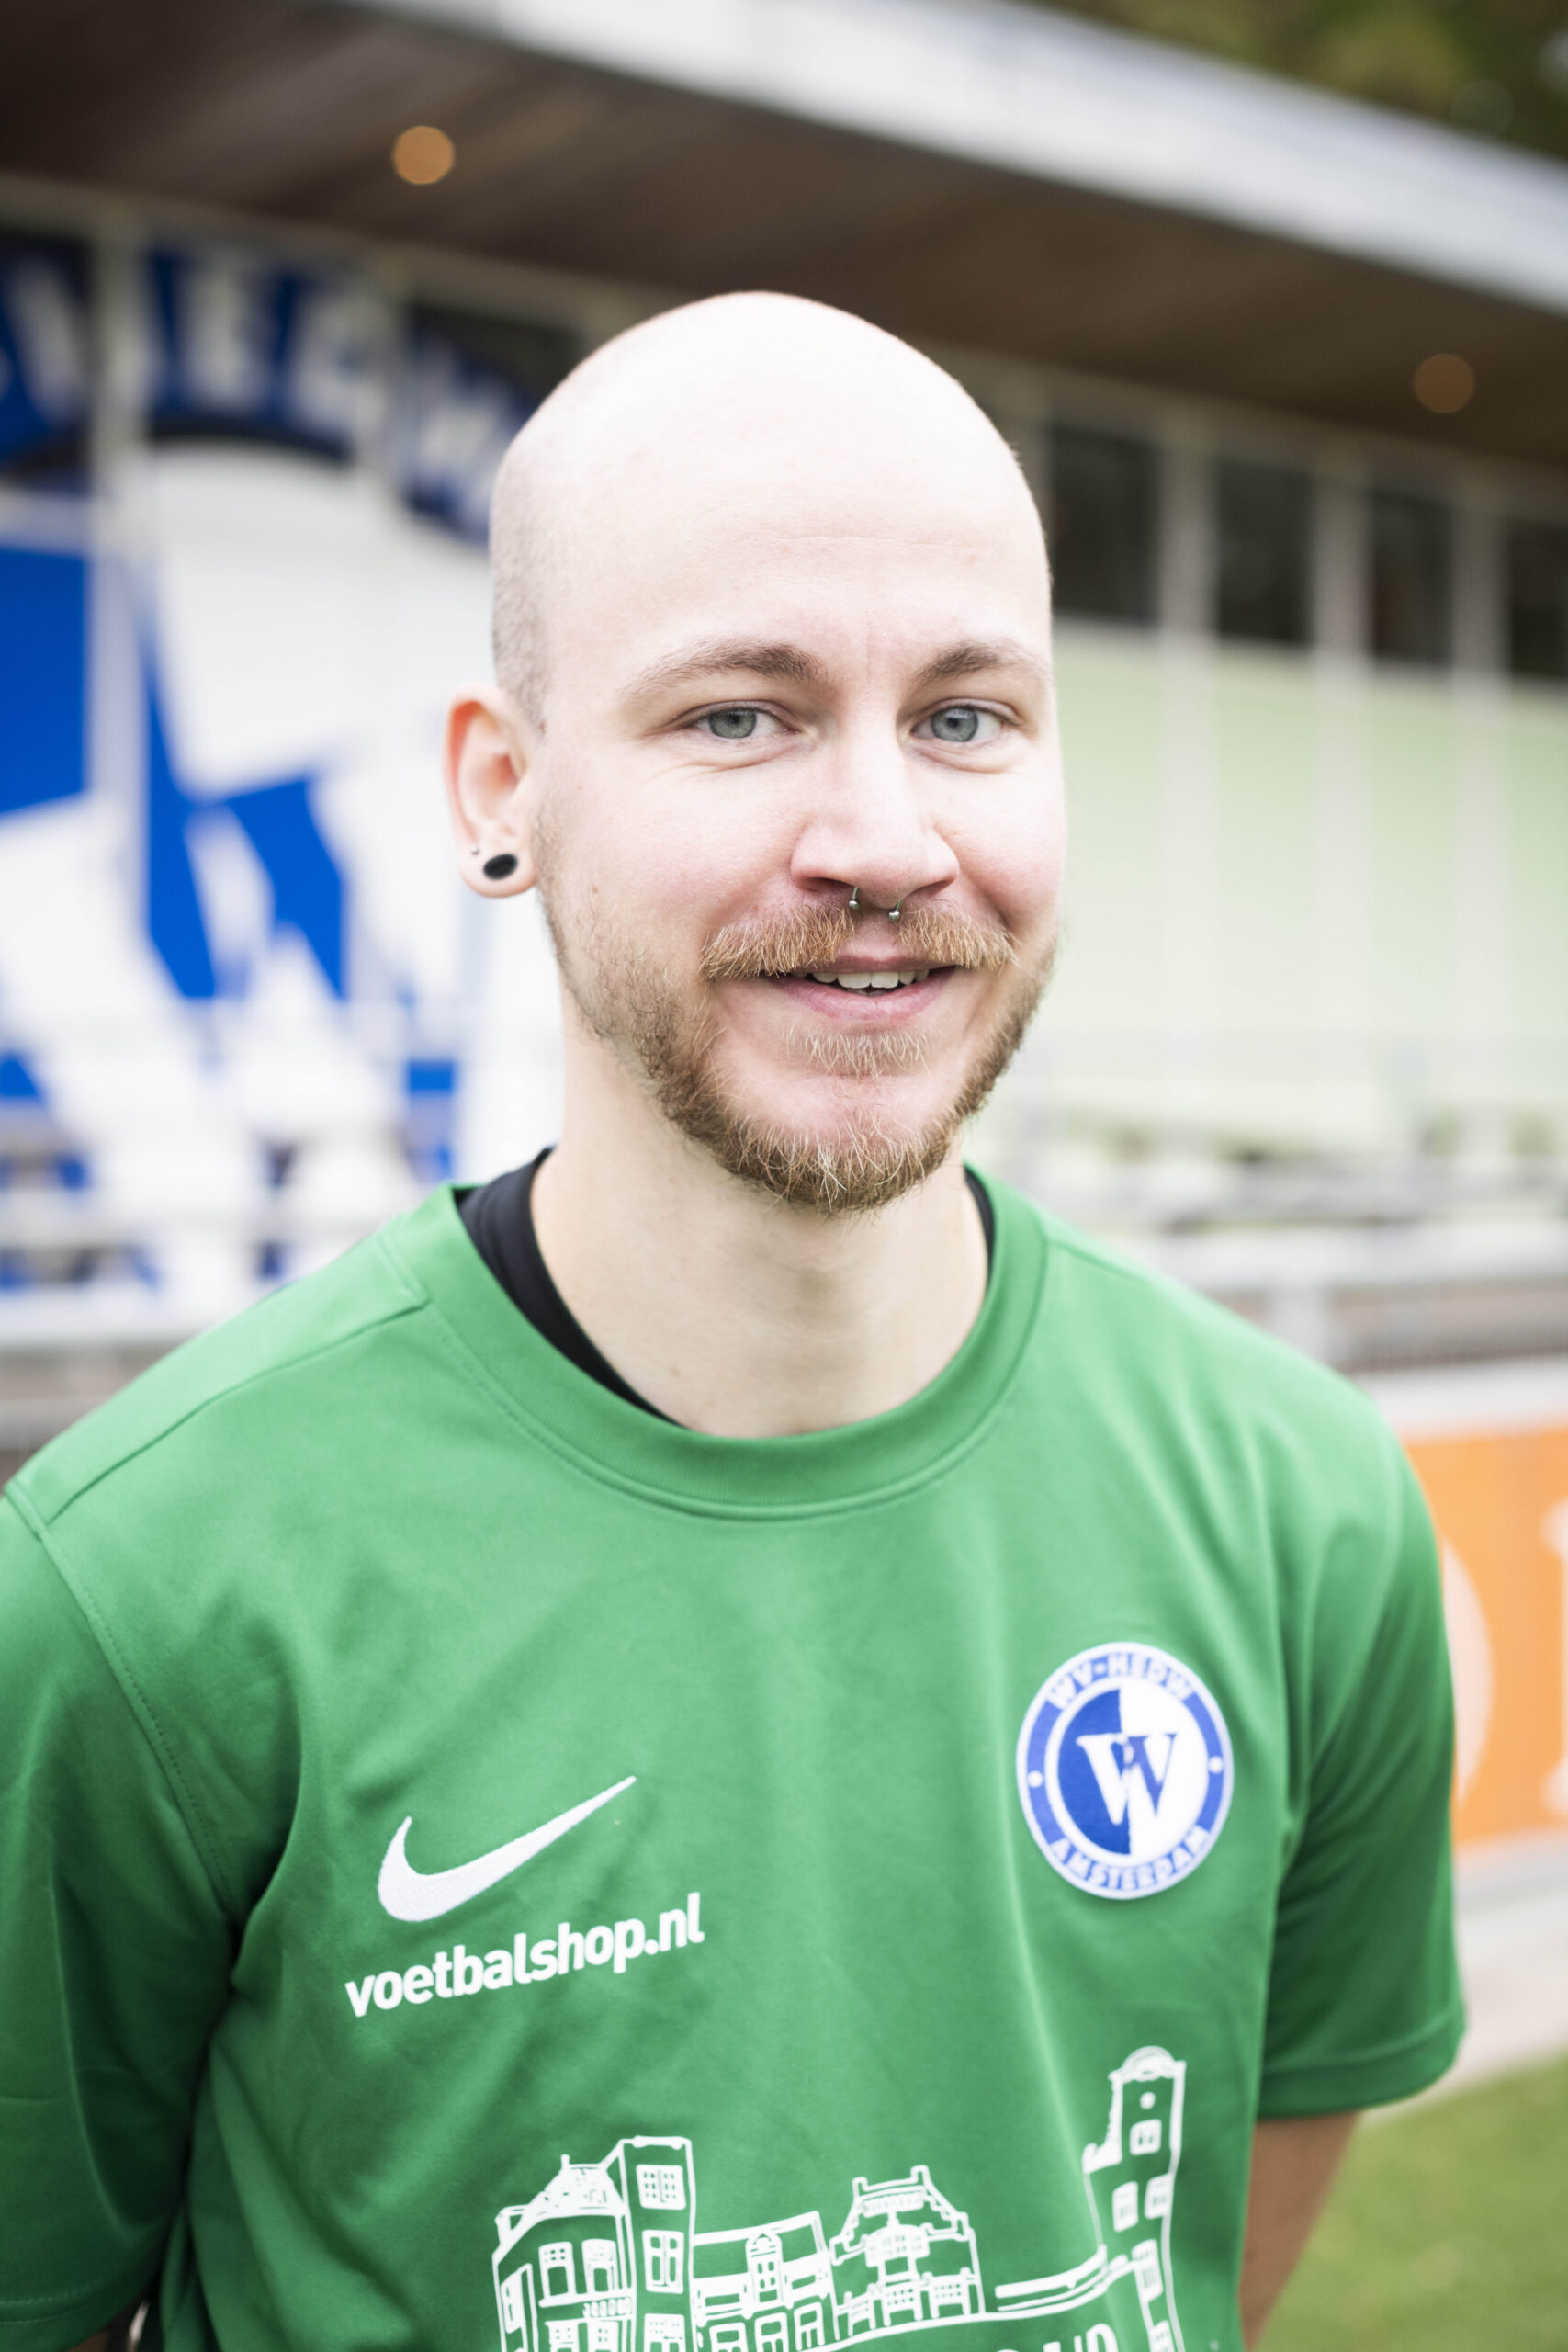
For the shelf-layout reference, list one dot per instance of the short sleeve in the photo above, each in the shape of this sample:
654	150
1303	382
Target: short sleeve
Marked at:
114	1962
1364	2002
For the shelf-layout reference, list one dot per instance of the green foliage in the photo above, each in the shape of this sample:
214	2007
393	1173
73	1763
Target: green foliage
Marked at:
1498	68
1445	2231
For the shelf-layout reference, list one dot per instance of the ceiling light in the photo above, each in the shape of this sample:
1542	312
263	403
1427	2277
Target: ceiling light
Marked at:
421	155
1445	383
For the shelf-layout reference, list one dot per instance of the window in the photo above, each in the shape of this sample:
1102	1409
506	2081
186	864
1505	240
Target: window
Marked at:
1102	523
664	2331
772	2333
1157	2198
728	2336
807	2327
603	2336
1410	547
662	2186
600	2272
556	2274
1538	600
663	2261
511	2300
762	2261
1262	552
1125	2206
1146	2138
564	2335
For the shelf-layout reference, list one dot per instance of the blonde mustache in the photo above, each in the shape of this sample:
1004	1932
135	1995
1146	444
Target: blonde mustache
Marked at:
819	935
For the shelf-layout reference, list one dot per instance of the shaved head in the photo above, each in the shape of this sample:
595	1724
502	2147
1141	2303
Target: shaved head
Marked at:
775	739
709	406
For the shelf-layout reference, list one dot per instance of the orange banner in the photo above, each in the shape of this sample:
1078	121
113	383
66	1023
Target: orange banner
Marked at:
1500	1500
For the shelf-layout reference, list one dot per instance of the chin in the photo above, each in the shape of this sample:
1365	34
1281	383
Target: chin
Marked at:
840	1111
807	1146
837	1119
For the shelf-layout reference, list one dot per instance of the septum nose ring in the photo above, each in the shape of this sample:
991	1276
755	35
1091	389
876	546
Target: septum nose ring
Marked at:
892	913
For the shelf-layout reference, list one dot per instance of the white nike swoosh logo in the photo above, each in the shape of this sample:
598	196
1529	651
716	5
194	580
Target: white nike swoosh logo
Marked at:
408	1893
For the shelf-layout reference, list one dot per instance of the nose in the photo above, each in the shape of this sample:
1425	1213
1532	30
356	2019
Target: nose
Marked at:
871	828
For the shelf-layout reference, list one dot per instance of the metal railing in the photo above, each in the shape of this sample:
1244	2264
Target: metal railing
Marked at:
1433	1231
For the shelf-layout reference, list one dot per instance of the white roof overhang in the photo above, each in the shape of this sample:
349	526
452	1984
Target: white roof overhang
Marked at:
1028	91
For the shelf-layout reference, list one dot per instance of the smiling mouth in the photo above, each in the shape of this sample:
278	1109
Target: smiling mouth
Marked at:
901	975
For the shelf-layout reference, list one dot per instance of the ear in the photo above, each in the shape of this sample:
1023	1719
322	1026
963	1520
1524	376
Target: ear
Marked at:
486	765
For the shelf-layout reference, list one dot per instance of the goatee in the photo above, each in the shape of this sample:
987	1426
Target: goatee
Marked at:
862	1162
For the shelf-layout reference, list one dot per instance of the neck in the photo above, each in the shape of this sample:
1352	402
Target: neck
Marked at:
728	1310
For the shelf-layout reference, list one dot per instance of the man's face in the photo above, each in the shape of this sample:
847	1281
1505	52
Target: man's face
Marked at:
759	703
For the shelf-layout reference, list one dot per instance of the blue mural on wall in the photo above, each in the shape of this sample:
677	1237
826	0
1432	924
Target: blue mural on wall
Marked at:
232	344
44	346
239	349
278	820
18	1083
43	669
220	342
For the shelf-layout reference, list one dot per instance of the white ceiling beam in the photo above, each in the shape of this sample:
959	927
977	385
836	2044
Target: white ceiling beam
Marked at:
996	83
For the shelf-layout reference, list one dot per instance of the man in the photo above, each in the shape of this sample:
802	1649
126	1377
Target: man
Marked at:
736	1742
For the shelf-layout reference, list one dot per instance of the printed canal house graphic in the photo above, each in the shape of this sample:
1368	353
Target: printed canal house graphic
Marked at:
607	2257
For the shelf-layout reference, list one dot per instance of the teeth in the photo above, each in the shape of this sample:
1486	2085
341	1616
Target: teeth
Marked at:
901	978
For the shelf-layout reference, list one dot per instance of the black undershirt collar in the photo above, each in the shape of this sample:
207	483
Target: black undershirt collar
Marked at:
500	1220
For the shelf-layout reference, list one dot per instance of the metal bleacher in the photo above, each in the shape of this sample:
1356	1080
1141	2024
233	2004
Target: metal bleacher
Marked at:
1445	1244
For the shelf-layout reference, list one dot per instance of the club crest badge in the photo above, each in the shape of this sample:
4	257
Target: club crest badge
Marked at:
1124	1770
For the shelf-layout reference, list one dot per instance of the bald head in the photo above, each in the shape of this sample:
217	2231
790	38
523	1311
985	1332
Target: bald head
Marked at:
772	621
727	423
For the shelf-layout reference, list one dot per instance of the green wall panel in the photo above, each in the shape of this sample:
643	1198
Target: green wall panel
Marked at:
1292	881
1537	772
1411	749
1264	748
1110	970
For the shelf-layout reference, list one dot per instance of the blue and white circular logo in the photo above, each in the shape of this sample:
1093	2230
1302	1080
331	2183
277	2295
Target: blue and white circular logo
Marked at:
1124	1770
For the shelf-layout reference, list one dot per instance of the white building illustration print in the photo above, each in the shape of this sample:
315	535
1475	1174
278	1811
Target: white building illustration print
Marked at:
607	2257
904	2254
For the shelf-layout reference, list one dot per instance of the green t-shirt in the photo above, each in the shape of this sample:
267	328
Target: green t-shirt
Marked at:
484	1867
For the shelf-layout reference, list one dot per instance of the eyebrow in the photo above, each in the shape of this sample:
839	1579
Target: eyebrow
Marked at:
966	661
759	659
748	654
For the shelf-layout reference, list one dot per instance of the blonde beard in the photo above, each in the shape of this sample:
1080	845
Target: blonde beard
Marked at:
850	1168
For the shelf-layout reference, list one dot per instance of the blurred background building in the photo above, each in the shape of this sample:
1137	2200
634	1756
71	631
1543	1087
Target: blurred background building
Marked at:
1289	377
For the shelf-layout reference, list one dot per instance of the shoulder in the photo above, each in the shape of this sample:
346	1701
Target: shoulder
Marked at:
207	1533
264	1363
1171	1372
1275	1482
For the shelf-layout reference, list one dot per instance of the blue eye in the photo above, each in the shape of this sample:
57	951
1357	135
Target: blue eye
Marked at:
960	723
964	724
737	726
